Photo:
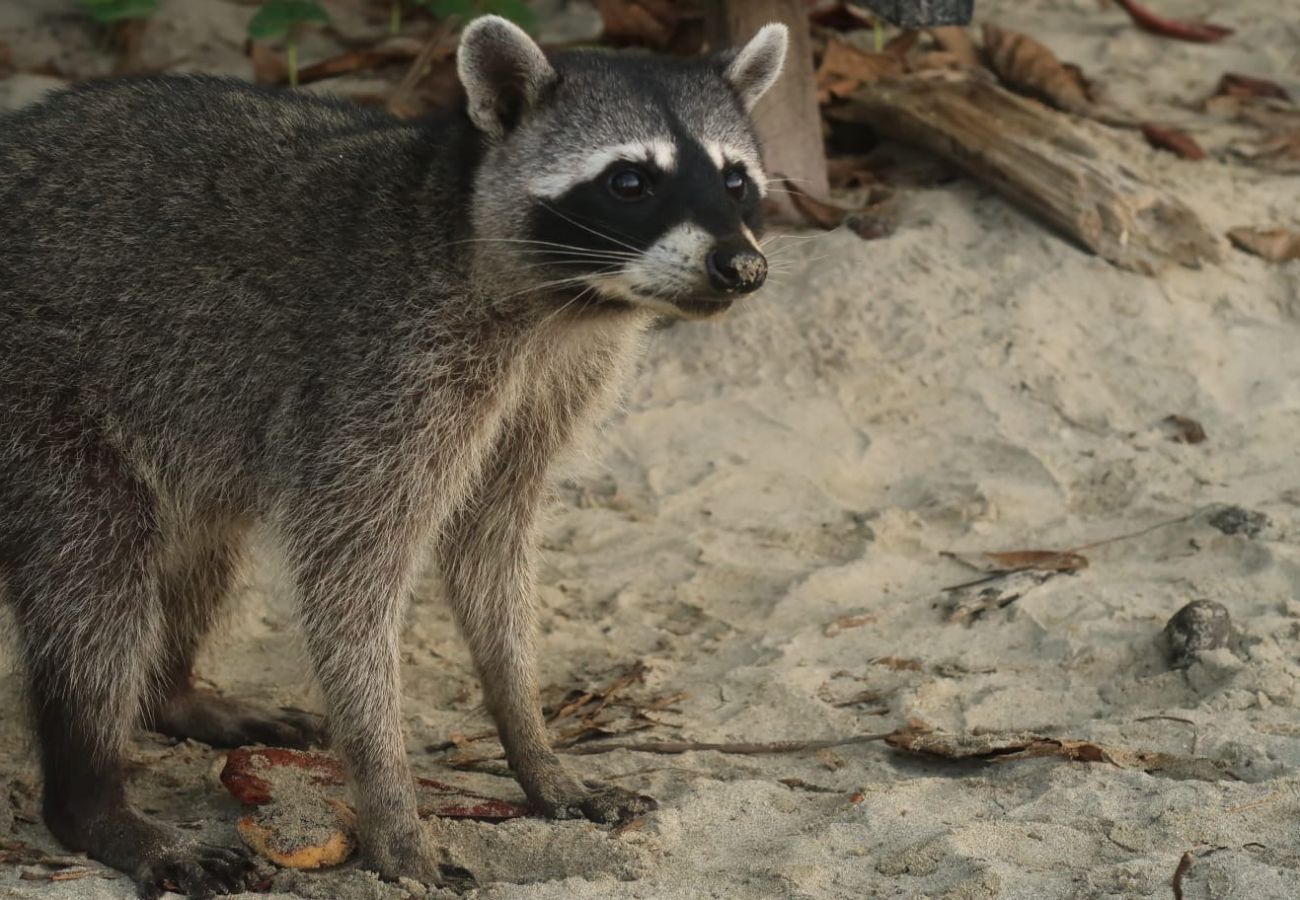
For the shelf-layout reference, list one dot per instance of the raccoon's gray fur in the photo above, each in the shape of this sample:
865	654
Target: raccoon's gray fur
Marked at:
222	305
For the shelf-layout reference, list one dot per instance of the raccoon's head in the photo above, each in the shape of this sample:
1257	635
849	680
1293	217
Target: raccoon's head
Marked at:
619	178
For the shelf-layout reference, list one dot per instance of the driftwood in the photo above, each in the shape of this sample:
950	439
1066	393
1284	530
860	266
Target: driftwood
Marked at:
1040	159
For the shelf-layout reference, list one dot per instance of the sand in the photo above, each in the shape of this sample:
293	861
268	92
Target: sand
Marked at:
764	526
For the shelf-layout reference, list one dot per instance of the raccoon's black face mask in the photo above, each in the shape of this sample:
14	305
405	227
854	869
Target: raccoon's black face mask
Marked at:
622	177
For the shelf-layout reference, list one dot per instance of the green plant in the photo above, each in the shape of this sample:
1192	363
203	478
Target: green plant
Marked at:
516	11
285	18
106	12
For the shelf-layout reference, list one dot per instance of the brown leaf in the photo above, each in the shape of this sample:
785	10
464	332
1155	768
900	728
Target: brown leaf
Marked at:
850	171
254	776
899	664
936	60
956	40
1195	31
1021	560
1273	244
1163	137
1026	66
843	62
868	223
1234	84
829	759
1279	153
1183	430
1007	746
6	57
642	23
844	623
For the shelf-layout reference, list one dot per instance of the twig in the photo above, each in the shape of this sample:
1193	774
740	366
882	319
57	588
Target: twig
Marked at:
744	749
418	68
1132	534
1177	881
1262	801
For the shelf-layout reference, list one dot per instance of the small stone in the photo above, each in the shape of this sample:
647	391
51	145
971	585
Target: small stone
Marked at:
1199	626
1235	520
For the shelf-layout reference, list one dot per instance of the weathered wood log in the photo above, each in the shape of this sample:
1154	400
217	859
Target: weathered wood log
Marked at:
1074	178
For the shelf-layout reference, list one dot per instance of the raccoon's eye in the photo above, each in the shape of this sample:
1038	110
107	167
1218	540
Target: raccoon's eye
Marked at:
736	184
629	184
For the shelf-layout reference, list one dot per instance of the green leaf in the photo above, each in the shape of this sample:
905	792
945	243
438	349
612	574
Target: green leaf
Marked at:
106	12
445	9
516	11
277	18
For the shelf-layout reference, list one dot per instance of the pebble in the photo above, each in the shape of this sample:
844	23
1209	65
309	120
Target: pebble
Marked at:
1199	626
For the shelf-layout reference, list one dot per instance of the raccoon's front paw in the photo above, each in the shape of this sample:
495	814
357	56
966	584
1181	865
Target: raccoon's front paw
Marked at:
595	801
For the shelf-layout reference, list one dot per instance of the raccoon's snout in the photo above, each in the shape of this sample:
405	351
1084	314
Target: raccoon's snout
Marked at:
736	268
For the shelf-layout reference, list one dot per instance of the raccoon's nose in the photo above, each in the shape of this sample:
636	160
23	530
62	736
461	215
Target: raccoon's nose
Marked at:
736	268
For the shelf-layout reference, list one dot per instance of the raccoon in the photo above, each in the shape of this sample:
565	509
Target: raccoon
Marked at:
223	306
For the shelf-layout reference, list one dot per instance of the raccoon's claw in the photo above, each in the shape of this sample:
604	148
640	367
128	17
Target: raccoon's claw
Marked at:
602	803
196	870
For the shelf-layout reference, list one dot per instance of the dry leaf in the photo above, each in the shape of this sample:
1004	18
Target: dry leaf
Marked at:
844	623
899	664
869	223
1026	66
829	759
1273	244
1279	153
956	40
644	23
936	60
1163	137
1022	560
1007	746
843	62
253	775
1183	430
1194	31
1234	84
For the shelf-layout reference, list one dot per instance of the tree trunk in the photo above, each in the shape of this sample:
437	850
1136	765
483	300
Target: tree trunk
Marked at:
789	122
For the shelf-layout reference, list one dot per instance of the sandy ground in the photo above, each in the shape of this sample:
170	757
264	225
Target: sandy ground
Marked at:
970	383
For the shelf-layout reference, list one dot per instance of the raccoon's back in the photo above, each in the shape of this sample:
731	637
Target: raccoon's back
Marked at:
182	250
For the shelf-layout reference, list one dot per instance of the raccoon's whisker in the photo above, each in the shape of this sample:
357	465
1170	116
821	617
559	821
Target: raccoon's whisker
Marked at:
546	244
598	234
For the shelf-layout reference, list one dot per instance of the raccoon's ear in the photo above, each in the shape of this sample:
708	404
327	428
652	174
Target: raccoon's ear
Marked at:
503	71
755	67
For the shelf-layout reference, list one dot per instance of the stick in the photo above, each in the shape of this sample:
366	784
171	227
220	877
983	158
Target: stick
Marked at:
745	749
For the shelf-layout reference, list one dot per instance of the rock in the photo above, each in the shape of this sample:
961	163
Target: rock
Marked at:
922	13
1199	626
1235	520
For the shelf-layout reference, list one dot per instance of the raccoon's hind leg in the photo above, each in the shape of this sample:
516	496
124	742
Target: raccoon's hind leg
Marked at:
82	576
192	591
